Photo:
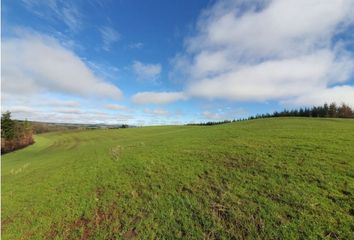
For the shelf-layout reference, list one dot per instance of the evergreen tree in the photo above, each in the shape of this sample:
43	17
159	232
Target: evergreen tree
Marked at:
325	110
332	111
7	126
344	111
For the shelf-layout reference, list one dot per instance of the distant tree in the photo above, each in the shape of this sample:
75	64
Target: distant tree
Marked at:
14	134
325	110
7	126
307	112
23	129
295	113
332	110
301	112
344	111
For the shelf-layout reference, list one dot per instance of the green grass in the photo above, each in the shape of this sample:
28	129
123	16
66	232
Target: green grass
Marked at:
263	179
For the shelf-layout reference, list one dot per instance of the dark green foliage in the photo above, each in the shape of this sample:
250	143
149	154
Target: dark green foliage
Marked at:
333	111
7	126
210	123
14	134
325	111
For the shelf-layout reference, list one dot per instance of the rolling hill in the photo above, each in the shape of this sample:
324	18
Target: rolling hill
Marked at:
278	178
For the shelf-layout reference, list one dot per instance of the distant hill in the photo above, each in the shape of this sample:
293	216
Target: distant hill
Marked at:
17	134
42	127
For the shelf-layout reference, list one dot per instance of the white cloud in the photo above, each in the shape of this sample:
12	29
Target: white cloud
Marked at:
157	111
280	28
34	64
222	113
68	115
58	10
115	107
158	97
71	16
146	71
61	103
68	110
19	109
109	37
137	45
269	50
211	115
48	108
104	70
338	94
272	79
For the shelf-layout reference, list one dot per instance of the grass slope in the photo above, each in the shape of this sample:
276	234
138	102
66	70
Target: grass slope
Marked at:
261	179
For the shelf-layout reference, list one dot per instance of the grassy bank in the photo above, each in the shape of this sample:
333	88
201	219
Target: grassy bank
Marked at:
267	179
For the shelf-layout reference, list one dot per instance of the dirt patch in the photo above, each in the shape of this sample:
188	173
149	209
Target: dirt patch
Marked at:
5	222
132	233
221	212
239	163
104	219
81	223
85	227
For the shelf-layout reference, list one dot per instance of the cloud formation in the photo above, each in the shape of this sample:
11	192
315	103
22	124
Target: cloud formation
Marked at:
158	97
58	10
221	114
67	115
137	45
282	50
38	64
115	107
338	94
109	37
146	71
156	112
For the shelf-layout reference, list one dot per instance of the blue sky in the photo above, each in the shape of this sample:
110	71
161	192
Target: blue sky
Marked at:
173	62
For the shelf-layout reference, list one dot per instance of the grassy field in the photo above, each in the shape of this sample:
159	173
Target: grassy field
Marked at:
262	179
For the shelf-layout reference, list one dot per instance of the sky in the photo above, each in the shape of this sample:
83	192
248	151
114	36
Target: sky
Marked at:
173	62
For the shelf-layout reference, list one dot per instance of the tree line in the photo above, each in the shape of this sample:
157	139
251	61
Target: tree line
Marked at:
14	134
326	111
210	123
